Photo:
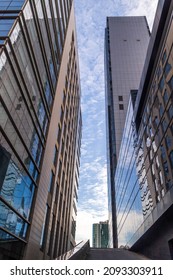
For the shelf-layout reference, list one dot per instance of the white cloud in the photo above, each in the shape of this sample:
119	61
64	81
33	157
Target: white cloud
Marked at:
141	8
94	206
91	21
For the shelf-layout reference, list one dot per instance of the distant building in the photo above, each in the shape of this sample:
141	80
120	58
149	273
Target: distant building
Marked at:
144	173
126	42
100	235
40	128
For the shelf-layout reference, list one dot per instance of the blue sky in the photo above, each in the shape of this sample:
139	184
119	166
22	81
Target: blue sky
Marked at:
90	22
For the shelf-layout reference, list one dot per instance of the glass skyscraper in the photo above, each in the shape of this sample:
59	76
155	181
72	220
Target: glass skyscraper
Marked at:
126	42
100	235
144	171
40	128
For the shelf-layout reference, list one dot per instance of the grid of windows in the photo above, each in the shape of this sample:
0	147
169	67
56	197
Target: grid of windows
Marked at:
63	186
144	173
158	145
29	65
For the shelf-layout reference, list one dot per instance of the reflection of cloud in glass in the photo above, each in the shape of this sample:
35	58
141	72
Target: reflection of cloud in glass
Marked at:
17	190
128	197
3	60
133	222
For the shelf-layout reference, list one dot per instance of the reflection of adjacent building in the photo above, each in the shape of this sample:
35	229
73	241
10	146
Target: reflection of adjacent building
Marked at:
144	175
126	42
128	200
40	131
100	235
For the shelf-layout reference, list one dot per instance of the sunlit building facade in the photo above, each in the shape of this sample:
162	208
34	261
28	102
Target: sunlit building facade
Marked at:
144	174
40	128
126	42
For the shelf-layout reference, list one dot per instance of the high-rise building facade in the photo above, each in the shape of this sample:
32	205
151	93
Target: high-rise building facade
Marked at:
100	235
40	128
144	174
126	42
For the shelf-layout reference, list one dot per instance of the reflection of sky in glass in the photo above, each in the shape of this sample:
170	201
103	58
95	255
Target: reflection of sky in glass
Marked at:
6	236
6	23
17	191
11	5
128	201
10	221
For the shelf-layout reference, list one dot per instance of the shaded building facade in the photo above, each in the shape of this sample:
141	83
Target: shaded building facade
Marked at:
144	175
40	128
126	42
100	235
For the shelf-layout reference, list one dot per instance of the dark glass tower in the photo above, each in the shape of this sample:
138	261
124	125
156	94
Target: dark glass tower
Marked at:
40	128
126	42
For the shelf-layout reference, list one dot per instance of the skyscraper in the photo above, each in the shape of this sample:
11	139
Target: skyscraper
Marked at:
40	128
126	42
144	173
100	235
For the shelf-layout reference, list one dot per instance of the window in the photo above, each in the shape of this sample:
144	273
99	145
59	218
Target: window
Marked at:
59	134
166	170
47	92
59	171
156	102
43	227
157	162
171	158
65	127
151	157
170	111
165	97
57	193
168	184
164	57
120	98
148	107
161	110
156	121
167	69
154	146
12	222
55	156
51	235
164	125
163	153
121	107
159	72
51	181
16	188
168	142
151	132
65	159
64	98
62	148
61	115
171	83
156	185
161	84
